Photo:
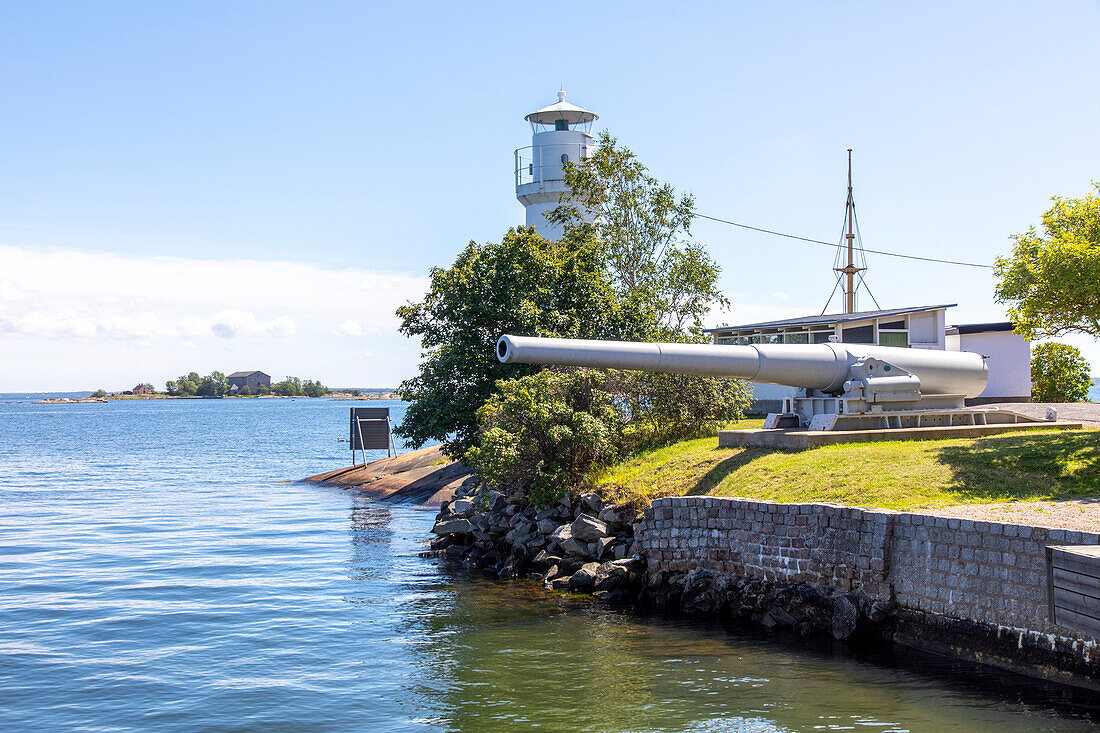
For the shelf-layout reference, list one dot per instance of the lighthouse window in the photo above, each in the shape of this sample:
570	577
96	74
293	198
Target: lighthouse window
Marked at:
561	125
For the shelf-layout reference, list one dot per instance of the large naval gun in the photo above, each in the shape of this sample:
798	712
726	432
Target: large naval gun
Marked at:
840	386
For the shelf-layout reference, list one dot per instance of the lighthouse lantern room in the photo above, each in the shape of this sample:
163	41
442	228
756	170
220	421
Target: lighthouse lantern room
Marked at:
560	133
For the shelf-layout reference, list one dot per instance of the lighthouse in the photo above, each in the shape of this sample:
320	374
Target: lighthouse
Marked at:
560	134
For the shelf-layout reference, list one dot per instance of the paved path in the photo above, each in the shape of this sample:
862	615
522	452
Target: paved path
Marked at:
1086	413
1077	514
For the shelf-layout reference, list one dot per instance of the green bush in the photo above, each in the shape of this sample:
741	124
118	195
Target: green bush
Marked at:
99	394
1059	373
543	434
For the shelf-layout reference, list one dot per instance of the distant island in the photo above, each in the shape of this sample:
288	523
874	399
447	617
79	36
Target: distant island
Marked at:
238	385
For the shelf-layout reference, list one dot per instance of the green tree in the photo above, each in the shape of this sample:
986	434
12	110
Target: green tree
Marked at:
289	387
1052	282
99	394
641	226
1059	373
245	391
213	384
523	285
314	389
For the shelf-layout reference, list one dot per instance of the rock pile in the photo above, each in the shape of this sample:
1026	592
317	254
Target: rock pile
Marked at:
801	608
580	544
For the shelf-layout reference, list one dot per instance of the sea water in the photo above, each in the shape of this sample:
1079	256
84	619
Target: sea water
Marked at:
160	569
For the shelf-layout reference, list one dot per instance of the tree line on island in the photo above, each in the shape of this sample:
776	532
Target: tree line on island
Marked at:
635	275
215	384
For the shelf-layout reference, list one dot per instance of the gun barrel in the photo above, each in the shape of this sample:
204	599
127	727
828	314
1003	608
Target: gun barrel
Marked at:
824	367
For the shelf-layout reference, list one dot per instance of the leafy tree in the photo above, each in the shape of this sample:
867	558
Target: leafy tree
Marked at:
1052	282
314	389
99	394
641	225
245	391
213	384
523	285
1059	373
289	387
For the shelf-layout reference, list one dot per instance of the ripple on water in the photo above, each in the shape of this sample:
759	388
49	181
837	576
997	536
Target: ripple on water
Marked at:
177	584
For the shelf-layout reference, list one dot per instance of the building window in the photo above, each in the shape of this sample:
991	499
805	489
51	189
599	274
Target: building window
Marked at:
821	337
798	337
894	338
560	125
859	335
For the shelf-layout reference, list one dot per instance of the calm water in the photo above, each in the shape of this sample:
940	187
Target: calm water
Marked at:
159	573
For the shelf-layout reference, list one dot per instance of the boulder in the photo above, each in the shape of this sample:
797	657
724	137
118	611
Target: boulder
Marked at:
603	545
452	526
547	526
587	528
610	576
585	578
545	560
591	502
845	617
559	583
460	506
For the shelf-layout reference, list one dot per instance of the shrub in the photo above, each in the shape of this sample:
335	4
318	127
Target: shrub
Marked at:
543	434
99	394
1059	373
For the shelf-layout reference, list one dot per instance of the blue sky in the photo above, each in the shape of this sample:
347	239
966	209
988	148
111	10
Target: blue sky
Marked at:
257	185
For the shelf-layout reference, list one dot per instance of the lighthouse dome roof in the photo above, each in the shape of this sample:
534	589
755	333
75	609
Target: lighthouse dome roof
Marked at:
563	110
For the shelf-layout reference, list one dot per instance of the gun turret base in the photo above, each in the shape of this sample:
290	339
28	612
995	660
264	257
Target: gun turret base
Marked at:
878	418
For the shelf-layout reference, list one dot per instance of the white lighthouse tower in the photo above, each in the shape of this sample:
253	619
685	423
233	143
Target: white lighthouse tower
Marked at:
559	133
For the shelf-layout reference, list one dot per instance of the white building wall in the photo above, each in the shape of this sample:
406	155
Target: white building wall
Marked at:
1009	360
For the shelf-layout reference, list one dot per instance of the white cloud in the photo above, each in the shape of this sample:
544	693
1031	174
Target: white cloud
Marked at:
72	318
350	328
81	295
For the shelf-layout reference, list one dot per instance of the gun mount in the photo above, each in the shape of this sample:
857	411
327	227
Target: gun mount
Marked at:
840	386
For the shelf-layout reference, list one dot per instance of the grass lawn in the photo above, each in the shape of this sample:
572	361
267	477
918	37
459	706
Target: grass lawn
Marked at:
1033	465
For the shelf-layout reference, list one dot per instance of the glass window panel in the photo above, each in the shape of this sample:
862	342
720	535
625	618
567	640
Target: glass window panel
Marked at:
893	338
859	335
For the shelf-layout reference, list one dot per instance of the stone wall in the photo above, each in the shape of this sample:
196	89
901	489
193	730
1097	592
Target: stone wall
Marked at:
986	572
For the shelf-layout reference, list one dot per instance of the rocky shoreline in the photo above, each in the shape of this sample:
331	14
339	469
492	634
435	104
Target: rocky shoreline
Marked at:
583	544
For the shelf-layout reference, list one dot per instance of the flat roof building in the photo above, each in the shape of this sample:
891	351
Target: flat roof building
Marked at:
915	327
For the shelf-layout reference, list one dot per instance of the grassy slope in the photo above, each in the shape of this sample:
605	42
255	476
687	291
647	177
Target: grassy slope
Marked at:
1047	464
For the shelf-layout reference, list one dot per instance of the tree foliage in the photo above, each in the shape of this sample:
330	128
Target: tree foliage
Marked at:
1052	282
213	384
545	433
641	226
629	276
1059	373
542	433
295	387
522	285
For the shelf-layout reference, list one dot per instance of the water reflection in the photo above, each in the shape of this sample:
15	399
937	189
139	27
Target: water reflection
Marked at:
504	655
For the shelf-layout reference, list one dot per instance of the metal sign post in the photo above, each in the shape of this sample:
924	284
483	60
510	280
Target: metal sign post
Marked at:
371	430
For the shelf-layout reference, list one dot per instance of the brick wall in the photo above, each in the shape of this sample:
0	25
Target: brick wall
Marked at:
988	572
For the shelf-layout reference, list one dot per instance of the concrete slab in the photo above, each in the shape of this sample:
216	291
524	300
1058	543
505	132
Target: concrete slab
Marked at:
801	439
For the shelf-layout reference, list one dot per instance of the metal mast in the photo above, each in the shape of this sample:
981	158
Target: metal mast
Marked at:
850	270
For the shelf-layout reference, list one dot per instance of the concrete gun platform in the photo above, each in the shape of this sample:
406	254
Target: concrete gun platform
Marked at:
801	439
